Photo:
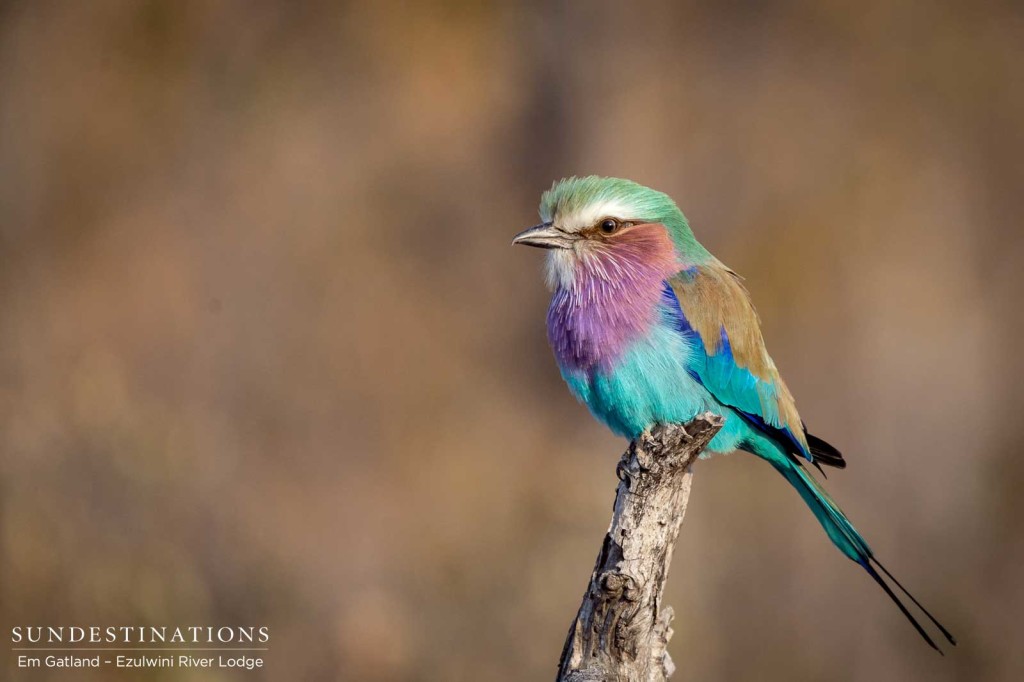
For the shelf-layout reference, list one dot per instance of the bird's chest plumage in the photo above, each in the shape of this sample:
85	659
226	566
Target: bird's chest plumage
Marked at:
621	351
590	325
649	383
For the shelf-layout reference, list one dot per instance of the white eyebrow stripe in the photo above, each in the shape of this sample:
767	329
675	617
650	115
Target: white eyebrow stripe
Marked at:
591	213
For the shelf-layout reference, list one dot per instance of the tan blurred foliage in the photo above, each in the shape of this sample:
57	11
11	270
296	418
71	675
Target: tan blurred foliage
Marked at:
268	358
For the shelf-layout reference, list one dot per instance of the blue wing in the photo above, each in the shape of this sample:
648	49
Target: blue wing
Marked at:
756	399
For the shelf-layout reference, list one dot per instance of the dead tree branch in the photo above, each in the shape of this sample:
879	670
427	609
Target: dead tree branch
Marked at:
622	630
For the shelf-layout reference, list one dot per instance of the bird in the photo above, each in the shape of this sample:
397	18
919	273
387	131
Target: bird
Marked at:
648	327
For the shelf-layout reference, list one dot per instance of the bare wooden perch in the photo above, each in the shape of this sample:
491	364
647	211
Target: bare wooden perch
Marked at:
622	630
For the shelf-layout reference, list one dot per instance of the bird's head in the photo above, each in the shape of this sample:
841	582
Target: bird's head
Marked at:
610	226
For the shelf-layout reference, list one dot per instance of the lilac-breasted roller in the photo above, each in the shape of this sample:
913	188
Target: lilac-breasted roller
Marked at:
648	327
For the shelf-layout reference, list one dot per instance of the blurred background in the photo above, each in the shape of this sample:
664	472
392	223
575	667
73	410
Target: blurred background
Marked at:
267	357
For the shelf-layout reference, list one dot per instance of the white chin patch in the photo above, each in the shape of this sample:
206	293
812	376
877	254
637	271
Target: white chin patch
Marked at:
561	268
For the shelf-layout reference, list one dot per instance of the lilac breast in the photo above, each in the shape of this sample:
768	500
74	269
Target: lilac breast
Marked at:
613	299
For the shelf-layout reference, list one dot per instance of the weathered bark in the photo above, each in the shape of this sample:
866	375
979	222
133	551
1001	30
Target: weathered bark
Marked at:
622	630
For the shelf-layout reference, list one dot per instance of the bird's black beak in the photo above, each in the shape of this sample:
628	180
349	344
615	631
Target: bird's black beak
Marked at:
545	236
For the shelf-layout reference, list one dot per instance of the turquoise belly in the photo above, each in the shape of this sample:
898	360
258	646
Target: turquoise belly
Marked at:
649	384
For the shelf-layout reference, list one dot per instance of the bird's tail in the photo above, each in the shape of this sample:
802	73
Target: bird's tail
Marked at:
849	541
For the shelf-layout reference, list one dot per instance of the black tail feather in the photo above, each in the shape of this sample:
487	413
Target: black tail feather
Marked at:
945	632
892	595
824	452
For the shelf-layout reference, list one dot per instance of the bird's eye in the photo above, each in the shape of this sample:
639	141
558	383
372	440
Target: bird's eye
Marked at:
609	225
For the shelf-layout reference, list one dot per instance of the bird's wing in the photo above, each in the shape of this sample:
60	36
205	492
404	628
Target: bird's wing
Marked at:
731	362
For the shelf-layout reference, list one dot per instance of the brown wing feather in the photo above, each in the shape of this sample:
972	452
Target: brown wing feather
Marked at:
715	299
